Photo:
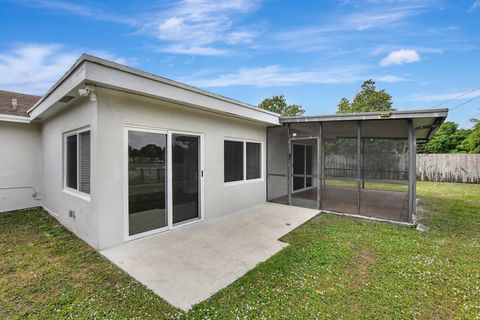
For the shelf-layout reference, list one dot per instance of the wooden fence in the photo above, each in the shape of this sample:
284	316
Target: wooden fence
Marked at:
430	167
449	167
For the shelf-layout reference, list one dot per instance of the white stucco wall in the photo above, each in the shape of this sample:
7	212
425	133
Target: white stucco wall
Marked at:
116	109
20	165
56	200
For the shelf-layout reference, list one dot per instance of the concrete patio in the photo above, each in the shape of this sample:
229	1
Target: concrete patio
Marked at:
187	265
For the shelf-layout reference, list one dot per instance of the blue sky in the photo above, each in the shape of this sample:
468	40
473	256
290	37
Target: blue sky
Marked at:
426	53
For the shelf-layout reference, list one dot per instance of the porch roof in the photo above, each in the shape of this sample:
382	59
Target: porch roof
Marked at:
426	121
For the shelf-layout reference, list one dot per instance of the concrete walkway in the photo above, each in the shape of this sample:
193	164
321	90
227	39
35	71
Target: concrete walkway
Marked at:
187	265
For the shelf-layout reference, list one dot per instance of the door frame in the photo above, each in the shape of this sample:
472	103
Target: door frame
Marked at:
169	181
304	175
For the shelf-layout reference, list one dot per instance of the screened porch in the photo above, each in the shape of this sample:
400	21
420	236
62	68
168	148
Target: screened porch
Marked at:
358	164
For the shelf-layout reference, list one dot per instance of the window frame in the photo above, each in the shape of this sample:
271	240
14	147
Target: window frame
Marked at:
244	179
76	192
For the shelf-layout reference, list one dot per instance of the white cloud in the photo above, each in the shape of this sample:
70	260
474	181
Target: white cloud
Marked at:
193	50
34	68
475	5
273	76
197	27
433	97
389	78
400	57
96	12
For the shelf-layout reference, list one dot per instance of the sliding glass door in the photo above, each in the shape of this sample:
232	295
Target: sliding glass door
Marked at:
164	180
147	180
186	177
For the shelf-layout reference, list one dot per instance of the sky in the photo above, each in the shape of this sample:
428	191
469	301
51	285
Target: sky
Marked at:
425	53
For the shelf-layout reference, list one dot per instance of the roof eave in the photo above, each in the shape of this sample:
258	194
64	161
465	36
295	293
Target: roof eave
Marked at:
108	73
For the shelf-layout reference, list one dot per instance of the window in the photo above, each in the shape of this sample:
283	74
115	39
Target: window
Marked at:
233	161
77	161
242	160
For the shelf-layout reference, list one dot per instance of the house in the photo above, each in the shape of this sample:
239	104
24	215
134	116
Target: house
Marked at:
115	154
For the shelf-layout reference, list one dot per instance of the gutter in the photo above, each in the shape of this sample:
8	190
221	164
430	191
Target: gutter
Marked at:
13	118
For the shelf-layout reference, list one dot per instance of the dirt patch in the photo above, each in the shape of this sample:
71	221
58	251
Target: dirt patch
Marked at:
359	273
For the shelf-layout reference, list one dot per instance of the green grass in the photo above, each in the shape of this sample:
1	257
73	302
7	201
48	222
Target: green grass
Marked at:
334	268
394	185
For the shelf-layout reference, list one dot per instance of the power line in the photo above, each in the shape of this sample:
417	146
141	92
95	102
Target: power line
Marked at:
464	103
456	97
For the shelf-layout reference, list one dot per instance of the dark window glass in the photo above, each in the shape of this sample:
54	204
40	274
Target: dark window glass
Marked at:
233	161
253	160
71	162
298	183
308	167
298	159
185	177
308	182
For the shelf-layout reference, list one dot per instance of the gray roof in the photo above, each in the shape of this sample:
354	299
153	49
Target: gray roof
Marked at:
24	102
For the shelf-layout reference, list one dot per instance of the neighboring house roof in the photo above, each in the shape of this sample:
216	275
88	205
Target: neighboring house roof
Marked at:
14	105
107	74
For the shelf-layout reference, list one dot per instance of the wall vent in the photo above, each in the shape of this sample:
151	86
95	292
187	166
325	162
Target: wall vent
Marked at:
66	99
14	103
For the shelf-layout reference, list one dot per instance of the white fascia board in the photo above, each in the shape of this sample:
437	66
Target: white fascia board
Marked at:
134	83
62	89
13	118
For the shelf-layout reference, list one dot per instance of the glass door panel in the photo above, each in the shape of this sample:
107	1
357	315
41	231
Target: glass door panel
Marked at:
185	177
146	181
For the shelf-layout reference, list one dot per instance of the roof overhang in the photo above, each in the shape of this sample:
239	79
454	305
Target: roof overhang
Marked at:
103	73
425	121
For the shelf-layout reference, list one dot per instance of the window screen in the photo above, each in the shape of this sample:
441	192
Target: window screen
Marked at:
77	162
71	162
85	162
233	161
253	160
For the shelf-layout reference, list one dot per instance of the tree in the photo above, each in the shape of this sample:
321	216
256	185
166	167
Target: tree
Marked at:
369	99
447	139
471	144
279	105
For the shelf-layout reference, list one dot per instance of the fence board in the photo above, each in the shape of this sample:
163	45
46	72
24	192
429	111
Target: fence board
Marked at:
449	167
430	167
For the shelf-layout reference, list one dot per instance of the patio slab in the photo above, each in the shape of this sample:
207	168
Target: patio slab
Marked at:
187	265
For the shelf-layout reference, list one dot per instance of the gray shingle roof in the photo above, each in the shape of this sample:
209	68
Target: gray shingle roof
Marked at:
24	102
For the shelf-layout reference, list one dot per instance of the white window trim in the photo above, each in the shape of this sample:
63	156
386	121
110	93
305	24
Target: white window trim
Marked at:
75	192
244	180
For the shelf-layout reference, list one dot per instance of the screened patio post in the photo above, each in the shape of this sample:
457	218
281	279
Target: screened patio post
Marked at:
359	166
412	173
319	166
289	167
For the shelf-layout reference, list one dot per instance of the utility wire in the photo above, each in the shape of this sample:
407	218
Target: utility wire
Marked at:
456	97
464	103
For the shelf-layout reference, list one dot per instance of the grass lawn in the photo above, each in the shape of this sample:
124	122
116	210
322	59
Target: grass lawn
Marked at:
335	267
